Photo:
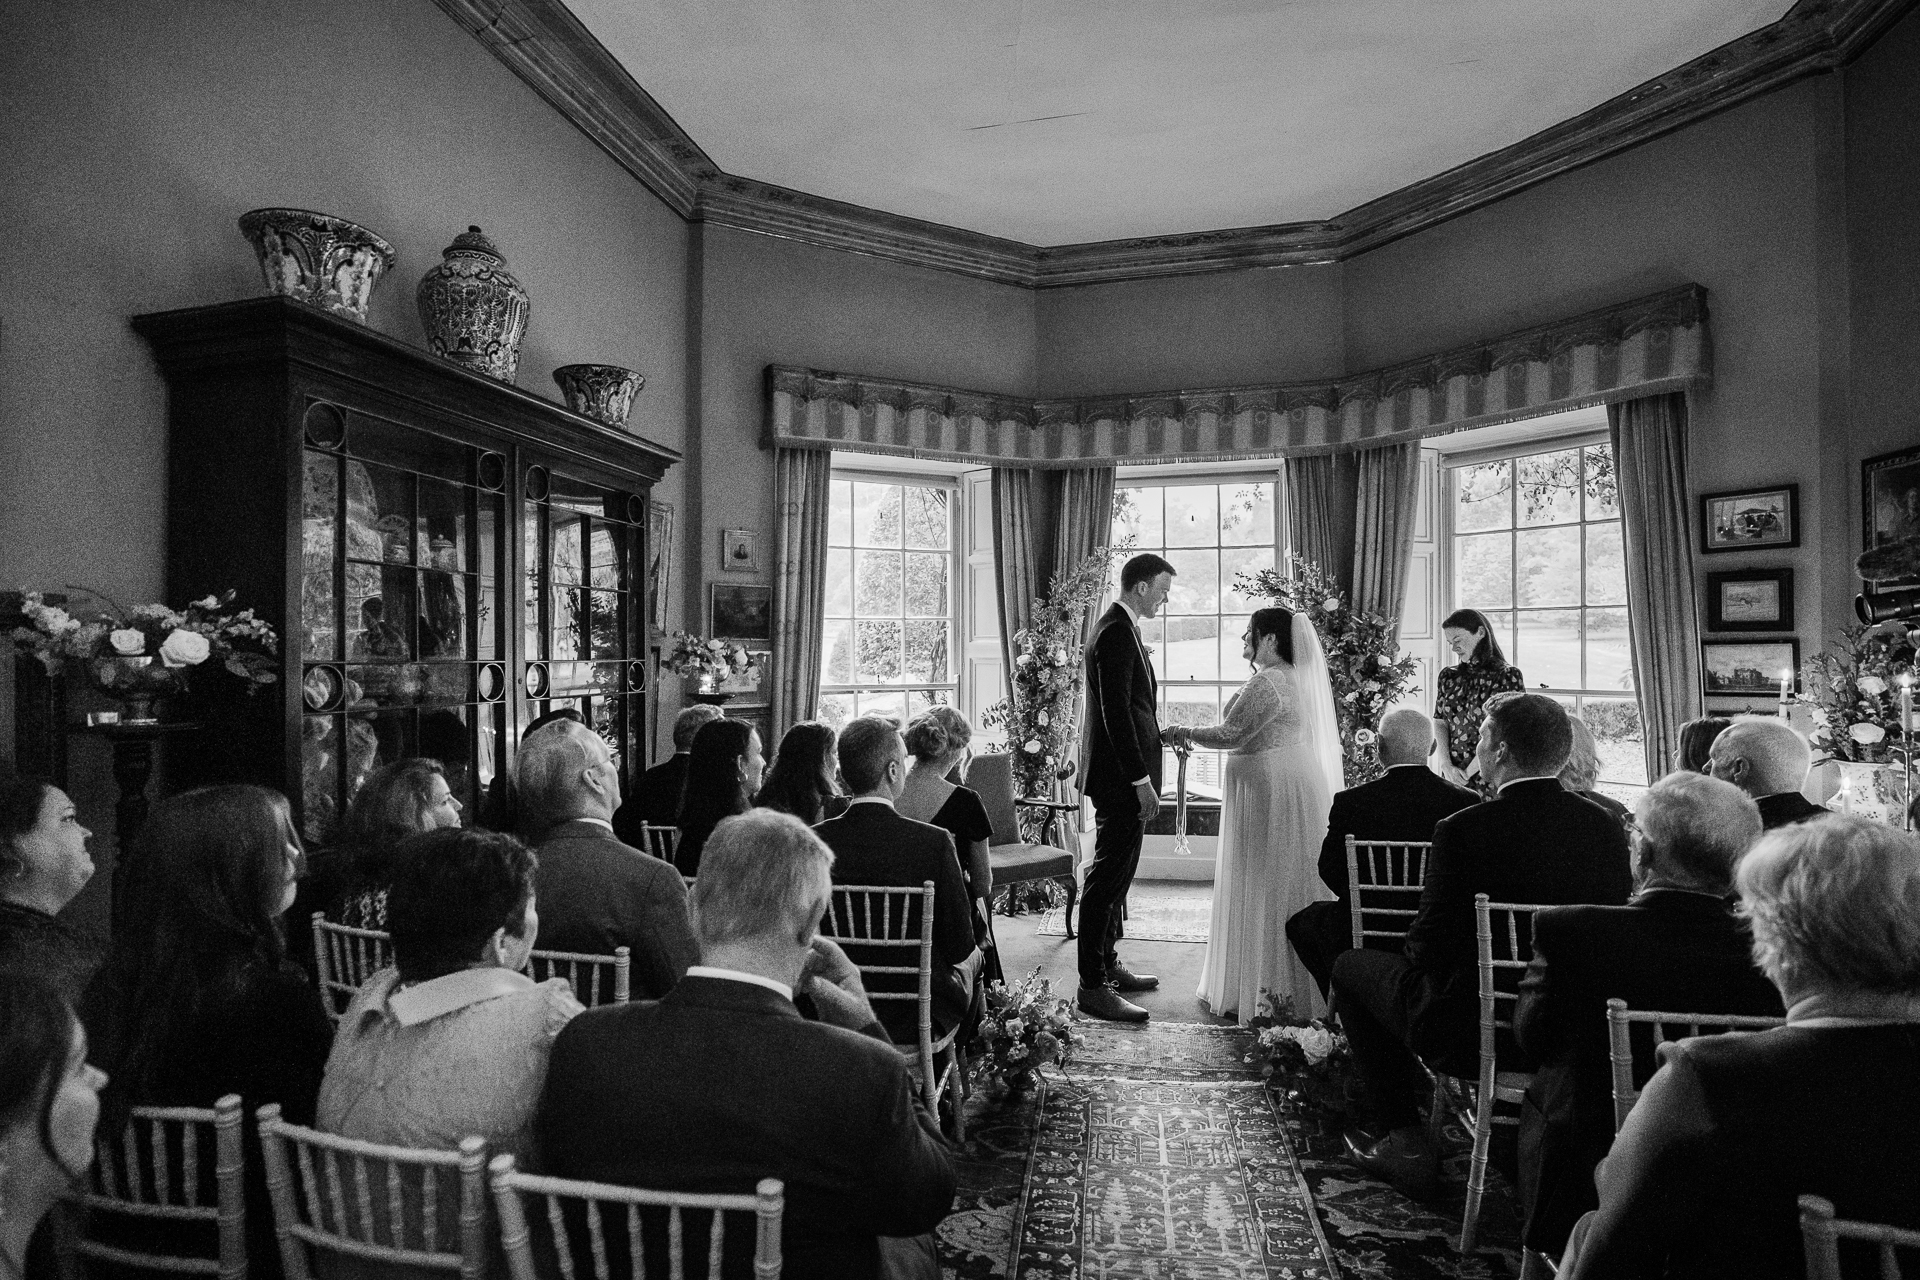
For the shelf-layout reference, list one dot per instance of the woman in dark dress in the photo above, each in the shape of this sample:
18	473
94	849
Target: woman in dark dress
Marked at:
937	740
801	779
43	865
723	773
1459	704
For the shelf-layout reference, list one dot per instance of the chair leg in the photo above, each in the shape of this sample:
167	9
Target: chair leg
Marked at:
1535	1265
1073	896
1477	1170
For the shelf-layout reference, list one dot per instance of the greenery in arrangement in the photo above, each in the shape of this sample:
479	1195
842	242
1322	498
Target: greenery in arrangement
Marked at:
1305	1059
1857	690
698	656
1361	655
1025	1028
178	640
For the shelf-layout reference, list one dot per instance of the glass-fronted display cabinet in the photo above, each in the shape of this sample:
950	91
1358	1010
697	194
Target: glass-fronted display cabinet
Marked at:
445	557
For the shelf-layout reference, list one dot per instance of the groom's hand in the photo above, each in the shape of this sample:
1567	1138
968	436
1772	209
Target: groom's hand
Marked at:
1149	800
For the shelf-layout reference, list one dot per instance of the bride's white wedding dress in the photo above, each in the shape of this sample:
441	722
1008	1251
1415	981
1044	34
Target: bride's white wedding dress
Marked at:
1278	782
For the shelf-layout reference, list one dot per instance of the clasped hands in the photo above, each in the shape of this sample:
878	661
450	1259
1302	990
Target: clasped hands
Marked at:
1178	736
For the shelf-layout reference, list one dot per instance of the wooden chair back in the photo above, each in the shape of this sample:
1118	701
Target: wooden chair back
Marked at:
344	958
158	1171
595	1226
1821	1234
1620	1021
662	841
1510	925
596	979
376	1203
1381	872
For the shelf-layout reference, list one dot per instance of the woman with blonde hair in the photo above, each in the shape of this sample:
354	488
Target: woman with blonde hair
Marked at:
938	740
1581	772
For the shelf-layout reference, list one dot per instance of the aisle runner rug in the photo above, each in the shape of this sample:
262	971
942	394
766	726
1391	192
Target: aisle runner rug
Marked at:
1149	919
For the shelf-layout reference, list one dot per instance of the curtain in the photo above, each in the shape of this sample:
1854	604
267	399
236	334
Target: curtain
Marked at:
1017	566
1320	504
1650	470
1387	492
1083	522
802	486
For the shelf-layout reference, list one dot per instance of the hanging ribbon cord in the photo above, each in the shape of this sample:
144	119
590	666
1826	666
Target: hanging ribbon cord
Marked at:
1180	846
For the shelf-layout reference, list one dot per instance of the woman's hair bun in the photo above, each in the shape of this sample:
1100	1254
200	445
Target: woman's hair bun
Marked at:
926	737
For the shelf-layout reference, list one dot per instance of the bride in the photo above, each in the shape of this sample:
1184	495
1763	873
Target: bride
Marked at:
1284	767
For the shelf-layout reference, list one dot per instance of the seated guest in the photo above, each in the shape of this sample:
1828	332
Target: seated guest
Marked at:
1533	842
348	882
452	1042
873	844
656	793
596	893
723	772
43	865
503	809
1704	1177
937	740
1696	740
197	998
801	780
1403	804
49	1103
1582	771
723	1082
1769	760
1675	947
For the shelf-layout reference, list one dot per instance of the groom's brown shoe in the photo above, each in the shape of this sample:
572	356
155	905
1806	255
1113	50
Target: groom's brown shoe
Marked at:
1121	978
1105	1002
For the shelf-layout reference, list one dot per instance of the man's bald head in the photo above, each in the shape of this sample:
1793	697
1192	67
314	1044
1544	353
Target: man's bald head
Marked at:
1406	737
1762	755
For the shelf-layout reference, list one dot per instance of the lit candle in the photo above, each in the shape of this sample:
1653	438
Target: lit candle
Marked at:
1786	688
1906	704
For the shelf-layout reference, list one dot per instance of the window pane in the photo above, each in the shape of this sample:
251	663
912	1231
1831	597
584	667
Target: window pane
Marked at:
876	515
839	592
877	651
1616	733
1502	624
1603	500
603	623
1193	649
1549	648
1482	497
1194	708
1238	560
1549	568
836	647
320	496
927	518
443	614
564	638
1153	634
926	586
1196	582
1606	565
569	555
1136	514
1193	518
877	587
1231	629
835	710
1609	652
1246	515
926	650
889	704
442	518
840	514
1550	488
1483	571
604	553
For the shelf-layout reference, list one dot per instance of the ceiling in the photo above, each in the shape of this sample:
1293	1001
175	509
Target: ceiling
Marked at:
1055	122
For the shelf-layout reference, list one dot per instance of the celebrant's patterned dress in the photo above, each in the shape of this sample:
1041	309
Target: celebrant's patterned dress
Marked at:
1273	815
1461	700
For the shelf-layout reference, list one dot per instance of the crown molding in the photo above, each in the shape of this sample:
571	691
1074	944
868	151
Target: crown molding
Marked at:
549	48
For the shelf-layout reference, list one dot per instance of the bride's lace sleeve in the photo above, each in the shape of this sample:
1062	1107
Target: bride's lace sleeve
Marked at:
1250	715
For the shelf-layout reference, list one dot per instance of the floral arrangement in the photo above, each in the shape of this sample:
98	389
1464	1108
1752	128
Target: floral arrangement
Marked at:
1305	1058
697	656
178	639
1044	694
1856	689
1024	1028
1362	648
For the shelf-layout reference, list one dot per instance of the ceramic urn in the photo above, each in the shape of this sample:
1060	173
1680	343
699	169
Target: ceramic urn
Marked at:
473	310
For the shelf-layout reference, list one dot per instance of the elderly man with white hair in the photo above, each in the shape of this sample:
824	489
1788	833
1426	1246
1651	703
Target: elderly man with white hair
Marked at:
1769	760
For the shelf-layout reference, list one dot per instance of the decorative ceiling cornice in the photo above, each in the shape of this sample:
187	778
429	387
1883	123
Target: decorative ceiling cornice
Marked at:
552	50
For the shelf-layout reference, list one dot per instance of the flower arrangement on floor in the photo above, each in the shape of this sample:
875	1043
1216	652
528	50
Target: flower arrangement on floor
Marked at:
1362	662
1856	689
712	661
1024	1028
1306	1060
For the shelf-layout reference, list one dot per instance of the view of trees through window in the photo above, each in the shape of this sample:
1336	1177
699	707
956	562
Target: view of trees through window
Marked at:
888	640
1537	548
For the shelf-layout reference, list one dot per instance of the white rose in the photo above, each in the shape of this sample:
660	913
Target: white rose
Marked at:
1866	734
1363	737
185	649
1043	718
1032	746
128	641
1873	686
1316	1044
211	602
1331	604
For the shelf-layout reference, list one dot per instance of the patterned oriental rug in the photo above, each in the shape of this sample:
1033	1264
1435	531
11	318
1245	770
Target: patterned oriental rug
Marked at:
1161	1155
1150	919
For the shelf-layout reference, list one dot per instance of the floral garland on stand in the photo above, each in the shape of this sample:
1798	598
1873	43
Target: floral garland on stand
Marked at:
1362	662
1025	1027
1305	1060
710	661
1856	693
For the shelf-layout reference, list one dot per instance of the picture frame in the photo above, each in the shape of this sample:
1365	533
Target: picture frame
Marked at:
1750	519
740	613
1745	668
1750	600
659	563
739	551
1890	505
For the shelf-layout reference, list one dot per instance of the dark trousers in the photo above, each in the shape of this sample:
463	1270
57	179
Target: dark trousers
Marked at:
1116	855
1319	932
1371	990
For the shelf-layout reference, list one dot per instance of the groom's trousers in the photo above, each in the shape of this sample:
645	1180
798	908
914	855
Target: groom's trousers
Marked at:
1118	829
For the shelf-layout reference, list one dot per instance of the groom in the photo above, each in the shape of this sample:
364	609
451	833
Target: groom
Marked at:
1120	773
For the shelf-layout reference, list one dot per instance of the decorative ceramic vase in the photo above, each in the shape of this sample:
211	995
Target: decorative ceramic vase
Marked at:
473	310
1872	791
321	260
135	683
601	391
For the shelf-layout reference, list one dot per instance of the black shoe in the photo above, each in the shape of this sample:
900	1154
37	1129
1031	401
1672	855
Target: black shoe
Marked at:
1404	1159
1120	978
1105	1002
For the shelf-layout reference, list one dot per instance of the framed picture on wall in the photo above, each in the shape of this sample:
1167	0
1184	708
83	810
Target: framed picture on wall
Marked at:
1890	505
741	613
659	562
1750	600
739	551
1750	519
1749	666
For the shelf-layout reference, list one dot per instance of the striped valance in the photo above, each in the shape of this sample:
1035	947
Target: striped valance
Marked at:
1652	344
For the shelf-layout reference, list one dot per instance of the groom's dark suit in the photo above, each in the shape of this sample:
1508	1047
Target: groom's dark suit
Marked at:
1120	747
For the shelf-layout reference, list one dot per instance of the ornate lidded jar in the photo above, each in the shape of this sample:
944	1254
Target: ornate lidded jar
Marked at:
473	310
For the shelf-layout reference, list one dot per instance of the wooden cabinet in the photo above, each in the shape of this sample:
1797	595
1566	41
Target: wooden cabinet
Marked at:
444	556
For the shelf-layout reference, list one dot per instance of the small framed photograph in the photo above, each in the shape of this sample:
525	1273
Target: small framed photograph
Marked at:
1749	666
659	562
739	551
1750	600
1750	519
1890	504
741	613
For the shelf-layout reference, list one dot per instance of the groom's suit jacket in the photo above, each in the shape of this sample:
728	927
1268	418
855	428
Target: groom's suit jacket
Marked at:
1121	742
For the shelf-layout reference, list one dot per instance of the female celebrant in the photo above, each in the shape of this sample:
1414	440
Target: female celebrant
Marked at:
1459	704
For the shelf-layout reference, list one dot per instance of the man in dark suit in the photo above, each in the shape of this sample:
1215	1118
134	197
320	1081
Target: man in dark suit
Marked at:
595	893
873	844
1769	760
1677	947
1403	804
656	793
1120	773
724	1082
1535	842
